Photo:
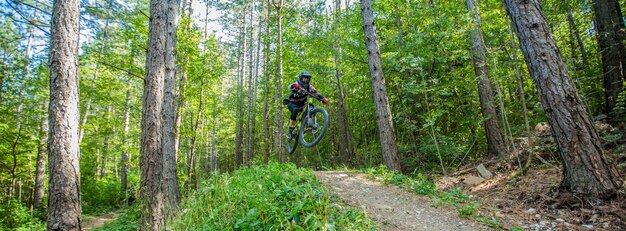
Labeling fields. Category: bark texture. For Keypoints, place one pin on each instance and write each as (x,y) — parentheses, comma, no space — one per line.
(40,169)
(64,170)
(585,168)
(610,29)
(383,111)
(152,158)
(171,190)
(495,143)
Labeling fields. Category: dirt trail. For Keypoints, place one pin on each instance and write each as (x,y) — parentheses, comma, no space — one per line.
(393,208)
(90,222)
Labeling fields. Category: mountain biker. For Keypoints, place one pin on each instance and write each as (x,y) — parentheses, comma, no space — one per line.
(297,98)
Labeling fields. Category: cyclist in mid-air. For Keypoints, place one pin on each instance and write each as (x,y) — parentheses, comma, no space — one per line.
(297,98)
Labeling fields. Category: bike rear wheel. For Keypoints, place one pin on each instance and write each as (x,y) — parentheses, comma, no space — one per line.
(314,127)
(292,143)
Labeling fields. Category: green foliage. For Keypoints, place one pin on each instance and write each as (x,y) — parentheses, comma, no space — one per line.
(15,216)
(276,196)
(100,196)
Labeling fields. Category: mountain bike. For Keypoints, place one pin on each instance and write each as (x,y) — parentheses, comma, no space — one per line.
(310,127)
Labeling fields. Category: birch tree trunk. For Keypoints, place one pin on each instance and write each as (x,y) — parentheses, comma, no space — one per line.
(585,168)
(495,143)
(610,29)
(63,146)
(383,111)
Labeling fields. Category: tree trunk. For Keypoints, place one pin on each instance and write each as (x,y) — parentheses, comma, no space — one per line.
(344,138)
(610,29)
(171,190)
(252,120)
(125,146)
(518,78)
(160,61)
(240,110)
(383,111)
(279,137)
(576,35)
(105,146)
(266,87)
(40,169)
(63,146)
(585,168)
(495,143)
(194,140)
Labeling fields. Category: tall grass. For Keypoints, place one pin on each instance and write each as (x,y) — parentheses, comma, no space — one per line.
(269,197)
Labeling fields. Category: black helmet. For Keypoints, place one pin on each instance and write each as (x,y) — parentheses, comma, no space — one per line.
(304,74)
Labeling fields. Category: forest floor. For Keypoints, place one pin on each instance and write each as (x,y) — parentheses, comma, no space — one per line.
(524,192)
(525,188)
(92,222)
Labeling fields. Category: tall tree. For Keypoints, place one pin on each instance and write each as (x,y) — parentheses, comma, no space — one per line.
(240,106)
(575,35)
(610,29)
(342,121)
(495,143)
(518,78)
(63,149)
(159,66)
(252,110)
(125,146)
(585,168)
(171,190)
(383,111)
(266,86)
(278,137)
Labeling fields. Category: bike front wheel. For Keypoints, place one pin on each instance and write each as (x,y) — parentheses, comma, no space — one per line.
(314,127)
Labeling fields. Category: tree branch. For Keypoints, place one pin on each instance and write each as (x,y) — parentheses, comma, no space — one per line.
(121,69)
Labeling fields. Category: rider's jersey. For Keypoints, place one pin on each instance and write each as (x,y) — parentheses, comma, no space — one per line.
(301,97)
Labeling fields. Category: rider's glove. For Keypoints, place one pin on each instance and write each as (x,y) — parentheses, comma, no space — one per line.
(296,86)
(325,101)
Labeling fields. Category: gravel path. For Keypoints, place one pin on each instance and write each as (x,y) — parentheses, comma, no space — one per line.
(393,208)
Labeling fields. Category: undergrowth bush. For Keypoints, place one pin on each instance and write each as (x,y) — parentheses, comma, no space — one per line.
(101,196)
(15,216)
(271,197)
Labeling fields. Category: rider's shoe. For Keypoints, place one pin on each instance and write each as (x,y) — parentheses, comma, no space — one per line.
(289,133)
